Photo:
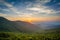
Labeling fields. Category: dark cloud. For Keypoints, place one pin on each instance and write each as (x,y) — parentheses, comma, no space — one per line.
(54,4)
(3,6)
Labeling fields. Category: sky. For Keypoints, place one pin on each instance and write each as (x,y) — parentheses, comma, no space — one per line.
(30,10)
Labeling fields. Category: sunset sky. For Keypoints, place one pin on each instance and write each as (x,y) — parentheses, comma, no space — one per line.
(30,10)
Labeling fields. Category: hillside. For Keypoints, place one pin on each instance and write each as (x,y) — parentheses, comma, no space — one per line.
(19,30)
(16,26)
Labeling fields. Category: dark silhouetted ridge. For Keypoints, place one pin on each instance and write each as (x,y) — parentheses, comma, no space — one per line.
(16,26)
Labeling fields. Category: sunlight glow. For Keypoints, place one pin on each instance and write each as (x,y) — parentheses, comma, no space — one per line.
(34,19)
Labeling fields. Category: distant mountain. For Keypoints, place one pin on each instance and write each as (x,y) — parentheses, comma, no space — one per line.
(21,26)
(16,26)
(48,24)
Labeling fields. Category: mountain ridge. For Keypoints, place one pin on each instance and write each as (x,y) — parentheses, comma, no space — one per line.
(18,26)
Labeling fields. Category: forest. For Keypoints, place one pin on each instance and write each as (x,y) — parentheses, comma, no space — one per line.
(29,36)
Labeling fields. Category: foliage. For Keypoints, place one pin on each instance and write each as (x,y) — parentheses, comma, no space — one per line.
(27,36)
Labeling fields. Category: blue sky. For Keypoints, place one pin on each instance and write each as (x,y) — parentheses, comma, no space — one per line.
(30,8)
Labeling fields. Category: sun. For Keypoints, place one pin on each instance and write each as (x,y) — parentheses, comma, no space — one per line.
(29,20)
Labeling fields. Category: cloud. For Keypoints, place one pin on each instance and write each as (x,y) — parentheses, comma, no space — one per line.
(43,1)
(11,10)
(11,7)
(35,11)
(3,14)
(31,9)
(59,3)
(41,9)
(46,0)
(1,0)
(7,10)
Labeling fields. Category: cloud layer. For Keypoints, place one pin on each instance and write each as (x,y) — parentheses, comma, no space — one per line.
(29,8)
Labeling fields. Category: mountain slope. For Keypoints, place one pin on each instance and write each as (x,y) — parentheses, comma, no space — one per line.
(6,25)
(16,26)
